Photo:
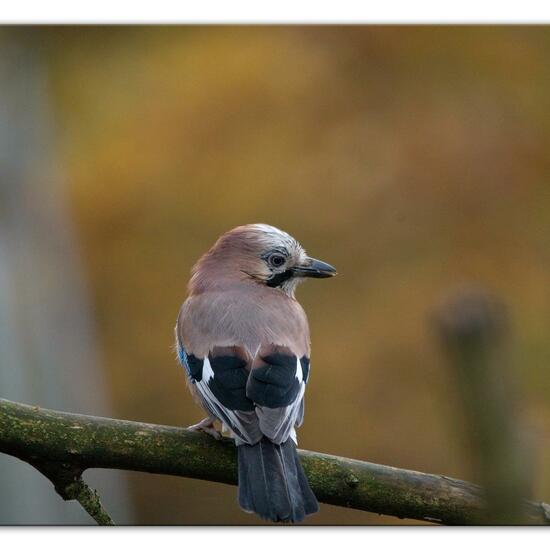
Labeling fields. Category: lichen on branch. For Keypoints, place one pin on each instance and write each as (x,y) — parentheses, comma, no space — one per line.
(78,442)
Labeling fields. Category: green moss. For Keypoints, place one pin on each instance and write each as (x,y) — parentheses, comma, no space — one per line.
(63,445)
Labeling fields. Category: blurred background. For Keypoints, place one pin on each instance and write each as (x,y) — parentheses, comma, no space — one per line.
(411,158)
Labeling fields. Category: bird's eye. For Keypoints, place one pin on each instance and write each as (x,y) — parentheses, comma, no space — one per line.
(276,260)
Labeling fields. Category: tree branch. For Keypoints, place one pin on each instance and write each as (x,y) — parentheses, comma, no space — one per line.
(68,483)
(41,436)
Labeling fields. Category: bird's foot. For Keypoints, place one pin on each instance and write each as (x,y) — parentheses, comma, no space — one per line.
(207,426)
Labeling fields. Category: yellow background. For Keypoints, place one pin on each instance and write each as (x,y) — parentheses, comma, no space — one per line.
(411,158)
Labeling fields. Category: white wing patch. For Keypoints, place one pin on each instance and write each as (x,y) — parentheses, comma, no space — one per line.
(299,372)
(207,372)
(242,424)
(278,424)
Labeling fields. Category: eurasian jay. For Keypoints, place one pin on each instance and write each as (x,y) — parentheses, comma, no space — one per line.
(243,340)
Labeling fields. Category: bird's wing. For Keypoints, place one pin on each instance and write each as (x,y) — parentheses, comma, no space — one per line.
(220,383)
(252,396)
(276,385)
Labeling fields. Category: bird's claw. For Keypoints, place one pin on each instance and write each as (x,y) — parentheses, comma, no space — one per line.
(206,426)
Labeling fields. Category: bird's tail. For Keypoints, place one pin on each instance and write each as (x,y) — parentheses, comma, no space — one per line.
(272,482)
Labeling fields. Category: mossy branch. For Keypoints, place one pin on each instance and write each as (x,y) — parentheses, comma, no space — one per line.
(73,443)
(69,485)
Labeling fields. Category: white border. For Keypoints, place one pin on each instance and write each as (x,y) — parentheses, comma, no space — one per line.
(280,11)
(275,538)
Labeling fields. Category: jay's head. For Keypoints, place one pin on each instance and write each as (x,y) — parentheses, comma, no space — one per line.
(260,254)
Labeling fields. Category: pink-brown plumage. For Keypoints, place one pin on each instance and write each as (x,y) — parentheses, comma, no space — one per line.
(228,301)
(247,314)
(244,341)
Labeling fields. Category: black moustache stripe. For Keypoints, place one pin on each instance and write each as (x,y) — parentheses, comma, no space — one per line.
(279,278)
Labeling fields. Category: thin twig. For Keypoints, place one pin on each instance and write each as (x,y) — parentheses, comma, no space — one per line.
(68,483)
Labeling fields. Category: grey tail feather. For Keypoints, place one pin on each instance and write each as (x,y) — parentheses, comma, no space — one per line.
(272,482)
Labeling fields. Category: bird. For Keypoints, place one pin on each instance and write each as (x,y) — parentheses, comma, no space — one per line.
(243,340)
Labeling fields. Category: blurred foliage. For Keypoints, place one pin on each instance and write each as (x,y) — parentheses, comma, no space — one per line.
(412,158)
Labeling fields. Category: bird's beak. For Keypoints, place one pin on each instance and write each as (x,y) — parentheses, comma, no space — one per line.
(314,268)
